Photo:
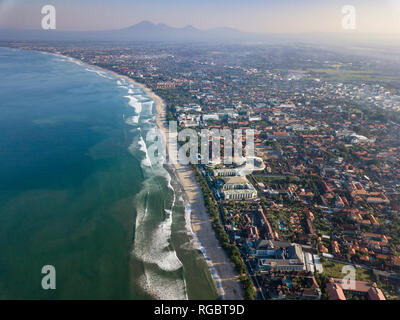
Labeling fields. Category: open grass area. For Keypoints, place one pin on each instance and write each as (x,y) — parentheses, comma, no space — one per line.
(334,270)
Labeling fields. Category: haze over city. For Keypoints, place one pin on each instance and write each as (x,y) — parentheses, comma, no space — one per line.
(262,16)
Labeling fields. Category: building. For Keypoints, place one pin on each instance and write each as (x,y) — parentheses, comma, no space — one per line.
(238,182)
(336,289)
(225,172)
(278,256)
(240,194)
(207,117)
(238,188)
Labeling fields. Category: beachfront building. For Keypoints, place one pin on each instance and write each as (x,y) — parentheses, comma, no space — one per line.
(240,194)
(278,256)
(238,188)
(225,172)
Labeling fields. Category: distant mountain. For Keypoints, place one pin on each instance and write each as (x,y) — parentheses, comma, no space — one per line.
(143,31)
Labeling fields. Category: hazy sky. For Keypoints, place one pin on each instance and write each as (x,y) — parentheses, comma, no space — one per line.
(282,16)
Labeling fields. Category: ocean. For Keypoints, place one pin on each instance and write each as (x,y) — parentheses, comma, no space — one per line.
(79,192)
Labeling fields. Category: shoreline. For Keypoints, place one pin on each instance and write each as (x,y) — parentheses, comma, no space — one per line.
(222,270)
(225,278)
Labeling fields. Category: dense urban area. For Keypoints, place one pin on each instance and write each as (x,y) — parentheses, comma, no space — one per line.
(325,195)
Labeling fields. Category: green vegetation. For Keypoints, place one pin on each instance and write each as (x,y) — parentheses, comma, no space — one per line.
(171,110)
(334,270)
(393,228)
(322,225)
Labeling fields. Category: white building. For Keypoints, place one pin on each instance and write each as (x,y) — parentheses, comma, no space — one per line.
(238,188)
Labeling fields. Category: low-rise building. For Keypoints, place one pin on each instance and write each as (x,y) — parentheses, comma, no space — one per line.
(337,288)
(278,256)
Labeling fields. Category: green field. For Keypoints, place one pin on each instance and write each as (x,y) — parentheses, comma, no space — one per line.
(334,270)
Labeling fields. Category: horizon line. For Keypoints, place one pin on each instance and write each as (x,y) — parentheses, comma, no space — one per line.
(345,33)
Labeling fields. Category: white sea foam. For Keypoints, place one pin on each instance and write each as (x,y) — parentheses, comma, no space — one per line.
(99,73)
(148,106)
(146,161)
(62,58)
(165,258)
(155,250)
(135,88)
(134,103)
(133,120)
(122,83)
(65,58)
(76,61)
(163,288)
(141,210)
(169,179)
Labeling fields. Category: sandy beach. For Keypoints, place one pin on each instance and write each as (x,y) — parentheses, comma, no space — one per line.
(200,221)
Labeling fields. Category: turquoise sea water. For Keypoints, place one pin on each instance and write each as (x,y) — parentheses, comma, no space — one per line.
(78,192)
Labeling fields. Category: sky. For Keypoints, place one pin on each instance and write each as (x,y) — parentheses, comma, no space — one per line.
(263,16)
